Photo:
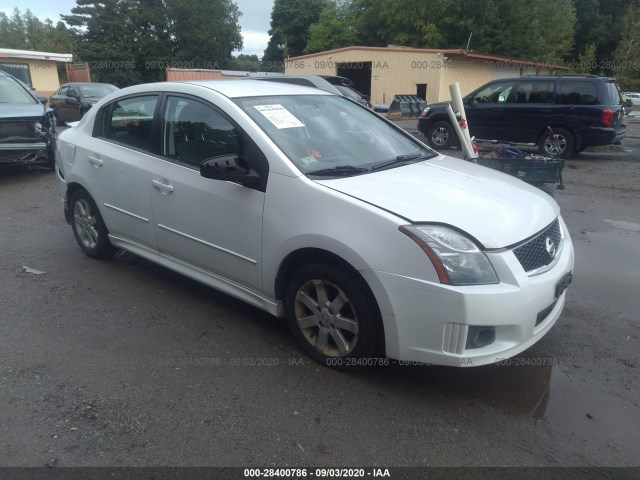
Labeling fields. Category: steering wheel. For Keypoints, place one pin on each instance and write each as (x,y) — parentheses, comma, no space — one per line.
(484,99)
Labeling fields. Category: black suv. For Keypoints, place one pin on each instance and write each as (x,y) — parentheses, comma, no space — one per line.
(582,111)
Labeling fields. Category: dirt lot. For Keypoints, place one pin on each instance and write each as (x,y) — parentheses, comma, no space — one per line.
(111,363)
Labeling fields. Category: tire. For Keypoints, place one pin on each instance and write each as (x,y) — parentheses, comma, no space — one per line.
(561,145)
(332,316)
(88,226)
(441,135)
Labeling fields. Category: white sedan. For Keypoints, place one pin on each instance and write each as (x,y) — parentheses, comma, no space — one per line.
(311,207)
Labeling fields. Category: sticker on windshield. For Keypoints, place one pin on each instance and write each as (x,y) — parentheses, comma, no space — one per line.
(309,160)
(279,116)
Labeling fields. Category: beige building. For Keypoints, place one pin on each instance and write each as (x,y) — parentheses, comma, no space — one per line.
(382,72)
(38,69)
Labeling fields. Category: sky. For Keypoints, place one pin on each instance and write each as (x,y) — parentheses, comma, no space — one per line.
(255,19)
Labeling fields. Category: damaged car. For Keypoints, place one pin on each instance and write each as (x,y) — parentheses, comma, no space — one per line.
(27,127)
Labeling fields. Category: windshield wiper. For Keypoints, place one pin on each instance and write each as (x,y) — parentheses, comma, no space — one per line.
(401,159)
(339,171)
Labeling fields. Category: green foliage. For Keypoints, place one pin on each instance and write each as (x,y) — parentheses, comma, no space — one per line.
(133,41)
(27,32)
(290,22)
(246,63)
(204,33)
(331,31)
(627,56)
(540,30)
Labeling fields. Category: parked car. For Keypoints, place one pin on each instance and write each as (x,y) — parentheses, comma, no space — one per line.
(634,98)
(345,87)
(338,85)
(307,206)
(73,100)
(27,127)
(583,111)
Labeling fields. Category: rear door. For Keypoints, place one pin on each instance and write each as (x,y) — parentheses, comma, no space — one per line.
(530,110)
(118,165)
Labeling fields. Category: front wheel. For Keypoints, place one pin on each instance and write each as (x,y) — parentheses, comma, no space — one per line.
(559,144)
(441,135)
(88,227)
(332,315)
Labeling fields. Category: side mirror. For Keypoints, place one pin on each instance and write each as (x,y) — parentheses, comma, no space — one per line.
(42,99)
(230,168)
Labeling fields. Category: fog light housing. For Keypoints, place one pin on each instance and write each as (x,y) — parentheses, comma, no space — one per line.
(478,337)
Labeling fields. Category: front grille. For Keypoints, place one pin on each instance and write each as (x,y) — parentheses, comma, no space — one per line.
(9,130)
(541,250)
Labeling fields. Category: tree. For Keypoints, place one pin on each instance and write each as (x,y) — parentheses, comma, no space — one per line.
(290,22)
(599,23)
(627,57)
(246,63)
(331,31)
(106,39)
(204,33)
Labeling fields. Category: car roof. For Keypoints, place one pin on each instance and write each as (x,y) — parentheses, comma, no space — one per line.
(314,81)
(577,77)
(254,88)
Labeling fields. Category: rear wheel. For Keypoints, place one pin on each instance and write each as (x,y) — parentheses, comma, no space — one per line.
(441,135)
(88,226)
(332,315)
(561,144)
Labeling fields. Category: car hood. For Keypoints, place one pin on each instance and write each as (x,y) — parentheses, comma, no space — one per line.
(21,111)
(496,209)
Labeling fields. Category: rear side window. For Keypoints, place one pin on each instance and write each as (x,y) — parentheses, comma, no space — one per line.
(535,92)
(575,92)
(129,121)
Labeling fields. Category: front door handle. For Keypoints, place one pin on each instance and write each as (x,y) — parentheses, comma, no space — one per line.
(96,161)
(163,187)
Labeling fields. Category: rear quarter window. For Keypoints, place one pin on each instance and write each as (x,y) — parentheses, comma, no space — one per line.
(575,92)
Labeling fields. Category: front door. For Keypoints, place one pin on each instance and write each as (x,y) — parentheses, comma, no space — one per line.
(212,224)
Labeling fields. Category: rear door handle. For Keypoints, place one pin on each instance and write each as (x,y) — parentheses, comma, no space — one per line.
(163,187)
(96,161)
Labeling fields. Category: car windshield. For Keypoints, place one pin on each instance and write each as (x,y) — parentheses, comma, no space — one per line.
(12,92)
(327,132)
(96,90)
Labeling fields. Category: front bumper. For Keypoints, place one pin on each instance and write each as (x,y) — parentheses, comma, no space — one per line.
(24,152)
(429,322)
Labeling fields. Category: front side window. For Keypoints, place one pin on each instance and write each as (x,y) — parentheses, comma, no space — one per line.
(494,93)
(193,132)
(129,121)
(319,132)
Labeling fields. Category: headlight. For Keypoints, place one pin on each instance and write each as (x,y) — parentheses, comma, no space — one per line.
(457,260)
(424,112)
